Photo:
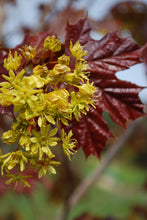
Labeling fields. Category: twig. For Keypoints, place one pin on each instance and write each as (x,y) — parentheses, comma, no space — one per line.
(97,173)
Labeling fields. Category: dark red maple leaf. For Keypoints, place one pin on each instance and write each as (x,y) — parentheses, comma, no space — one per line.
(119,98)
(91,131)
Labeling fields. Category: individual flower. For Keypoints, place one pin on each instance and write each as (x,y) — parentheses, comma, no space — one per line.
(10,136)
(64,60)
(77,50)
(68,143)
(28,52)
(12,62)
(57,100)
(40,70)
(13,159)
(52,43)
(48,166)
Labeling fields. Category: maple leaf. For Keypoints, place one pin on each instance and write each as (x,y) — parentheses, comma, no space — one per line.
(91,132)
(119,98)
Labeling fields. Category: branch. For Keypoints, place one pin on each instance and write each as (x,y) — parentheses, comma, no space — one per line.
(97,173)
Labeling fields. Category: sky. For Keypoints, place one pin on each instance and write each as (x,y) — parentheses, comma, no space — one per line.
(27,14)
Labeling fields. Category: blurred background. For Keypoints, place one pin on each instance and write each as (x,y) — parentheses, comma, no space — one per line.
(121,193)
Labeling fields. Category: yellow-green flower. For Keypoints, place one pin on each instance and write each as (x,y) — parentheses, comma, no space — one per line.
(28,52)
(65,60)
(87,90)
(43,100)
(52,43)
(12,63)
(58,101)
(13,159)
(10,136)
(69,143)
(77,50)
(48,167)
(40,70)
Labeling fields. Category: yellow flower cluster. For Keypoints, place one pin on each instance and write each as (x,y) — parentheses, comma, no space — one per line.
(42,101)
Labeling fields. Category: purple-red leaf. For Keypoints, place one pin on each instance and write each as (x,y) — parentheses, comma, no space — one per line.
(106,56)
(91,132)
(119,98)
